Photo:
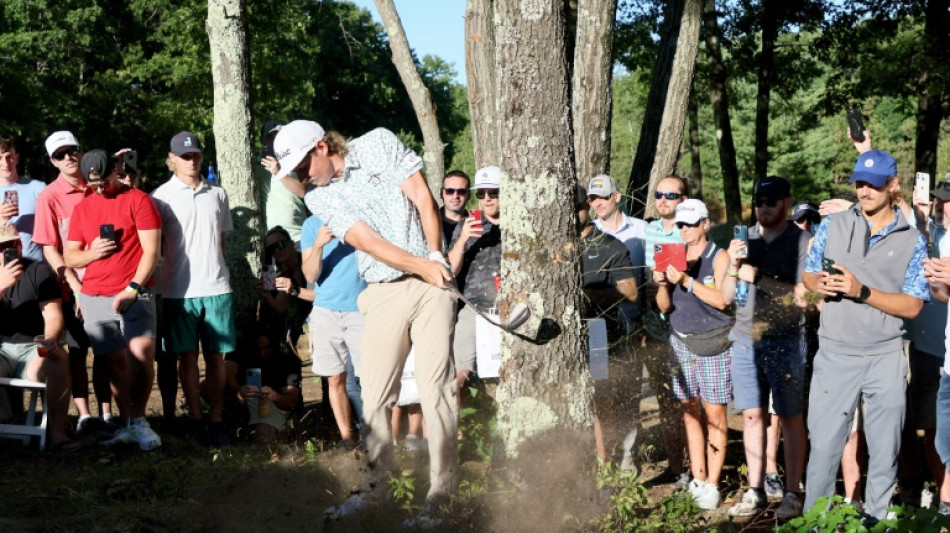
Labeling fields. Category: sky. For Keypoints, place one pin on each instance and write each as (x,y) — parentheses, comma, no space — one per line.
(433,27)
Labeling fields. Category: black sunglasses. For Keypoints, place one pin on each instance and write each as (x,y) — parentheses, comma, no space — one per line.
(480,194)
(450,191)
(681,225)
(282,244)
(767,202)
(668,195)
(71,152)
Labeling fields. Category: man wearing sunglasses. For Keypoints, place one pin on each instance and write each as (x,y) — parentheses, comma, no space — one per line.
(770,360)
(196,285)
(371,193)
(114,234)
(455,193)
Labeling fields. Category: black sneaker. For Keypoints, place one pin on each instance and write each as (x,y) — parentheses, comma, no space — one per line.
(193,430)
(218,435)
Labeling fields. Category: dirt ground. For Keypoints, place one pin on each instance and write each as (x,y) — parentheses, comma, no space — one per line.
(306,482)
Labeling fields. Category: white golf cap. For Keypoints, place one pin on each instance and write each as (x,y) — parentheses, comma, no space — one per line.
(488,178)
(59,139)
(293,141)
(691,211)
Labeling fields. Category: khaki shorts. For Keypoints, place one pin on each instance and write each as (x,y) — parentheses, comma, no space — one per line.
(335,336)
(463,347)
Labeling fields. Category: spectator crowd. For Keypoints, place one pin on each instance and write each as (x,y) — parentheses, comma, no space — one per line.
(819,323)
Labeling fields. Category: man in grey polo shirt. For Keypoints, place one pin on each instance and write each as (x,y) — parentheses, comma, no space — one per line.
(876,280)
(372,195)
(195,281)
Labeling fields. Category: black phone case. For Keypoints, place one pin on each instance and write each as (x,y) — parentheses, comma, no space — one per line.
(856,124)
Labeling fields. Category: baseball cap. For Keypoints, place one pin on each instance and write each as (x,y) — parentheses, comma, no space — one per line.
(874,167)
(601,185)
(488,178)
(293,142)
(691,211)
(773,187)
(185,142)
(8,232)
(806,209)
(96,161)
(942,191)
(58,140)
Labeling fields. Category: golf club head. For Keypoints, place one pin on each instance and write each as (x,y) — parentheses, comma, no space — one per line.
(519,314)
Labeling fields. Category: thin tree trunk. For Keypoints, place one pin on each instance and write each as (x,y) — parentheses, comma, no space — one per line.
(591,95)
(766,75)
(643,160)
(929,102)
(434,155)
(662,132)
(545,393)
(719,98)
(232,121)
(696,164)
(677,98)
(481,75)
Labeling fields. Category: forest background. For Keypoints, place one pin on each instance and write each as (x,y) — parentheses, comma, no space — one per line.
(135,73)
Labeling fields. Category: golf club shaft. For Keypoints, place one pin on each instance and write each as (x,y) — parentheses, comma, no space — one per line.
(481,313)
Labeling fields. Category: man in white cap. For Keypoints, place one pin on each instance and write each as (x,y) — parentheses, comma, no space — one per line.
(475,256)
(196,288)
(372,195)
(54,210)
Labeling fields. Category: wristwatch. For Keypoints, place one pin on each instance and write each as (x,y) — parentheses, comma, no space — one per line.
(294,290)
(134,287)
(864,294)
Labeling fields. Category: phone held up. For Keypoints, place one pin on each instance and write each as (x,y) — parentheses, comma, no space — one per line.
(856,124)
(10,255)
(668,254)
(828,265)
(921,188)
(742,233)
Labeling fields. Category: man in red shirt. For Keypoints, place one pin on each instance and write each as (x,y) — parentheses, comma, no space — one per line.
(114,234)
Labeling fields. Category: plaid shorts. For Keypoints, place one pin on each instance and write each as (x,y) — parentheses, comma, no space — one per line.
(708,377)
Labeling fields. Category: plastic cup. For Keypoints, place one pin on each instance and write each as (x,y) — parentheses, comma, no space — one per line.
(43,345)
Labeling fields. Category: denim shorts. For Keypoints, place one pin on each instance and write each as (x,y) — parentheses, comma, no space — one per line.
(775,366)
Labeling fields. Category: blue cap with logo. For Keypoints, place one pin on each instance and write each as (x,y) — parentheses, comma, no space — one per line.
(874,167)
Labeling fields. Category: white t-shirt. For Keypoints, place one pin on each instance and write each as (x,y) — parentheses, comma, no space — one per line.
(193,221)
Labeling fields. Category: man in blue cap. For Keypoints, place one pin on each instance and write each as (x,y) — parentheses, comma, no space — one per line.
(867,263)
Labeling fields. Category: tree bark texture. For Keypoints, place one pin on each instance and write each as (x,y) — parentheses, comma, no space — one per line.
(546,391)
(719,98)
(434,156)
(677,99)
(591,95)
(696,163)
(232,121)
(766,75)
(665,115)
(482,79)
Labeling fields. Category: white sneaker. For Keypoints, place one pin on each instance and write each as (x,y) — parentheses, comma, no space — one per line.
(750,504)
(415,444)
(926,497)
(142,433)
(354,504)
(705,494)
(790,507)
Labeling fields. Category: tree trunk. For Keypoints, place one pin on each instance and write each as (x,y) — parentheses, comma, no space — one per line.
(419,94)
(665,115)
(482,80)
(766,75)
(720,104)
(545,393)
(677,98)
(232,121)
(696,164)
(929,103)
(590,96)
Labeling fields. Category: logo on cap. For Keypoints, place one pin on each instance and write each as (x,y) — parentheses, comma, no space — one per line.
(187,141)
(869,163)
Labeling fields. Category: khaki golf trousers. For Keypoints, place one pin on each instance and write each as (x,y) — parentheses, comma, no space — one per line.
(399,315)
